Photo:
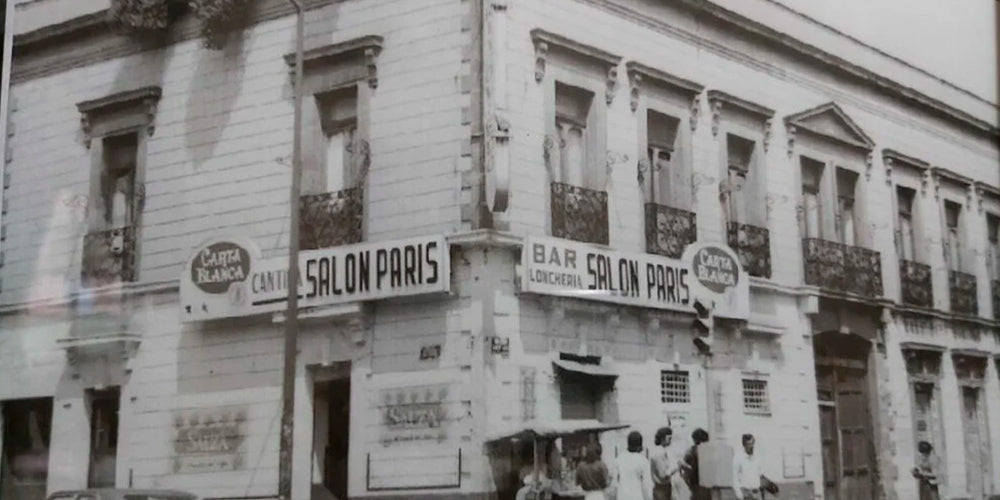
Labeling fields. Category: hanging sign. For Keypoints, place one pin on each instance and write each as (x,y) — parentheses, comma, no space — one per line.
(553,266)
(227,277)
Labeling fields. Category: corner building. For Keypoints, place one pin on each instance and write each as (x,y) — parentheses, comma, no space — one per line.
(145,175)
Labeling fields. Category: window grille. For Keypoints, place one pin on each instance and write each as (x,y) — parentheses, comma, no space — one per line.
(675,387)
(755,397)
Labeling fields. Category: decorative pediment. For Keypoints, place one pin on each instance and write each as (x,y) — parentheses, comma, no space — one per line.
(719,101)
(641,76)
(358,52)
(831,123)
(546,42)
(984,191)
(140,103)
(123,344)
(893,159)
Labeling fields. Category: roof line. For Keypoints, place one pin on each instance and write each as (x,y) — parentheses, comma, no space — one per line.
(904,62)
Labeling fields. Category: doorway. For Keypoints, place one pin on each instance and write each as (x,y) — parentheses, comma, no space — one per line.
(977,451)
(331,433)
(843,390)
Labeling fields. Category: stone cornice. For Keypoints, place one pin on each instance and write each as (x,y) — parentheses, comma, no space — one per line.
(128,97)
(757,110)
(985,190)
(969,353)
(663,79)
(921,346)
(798,121)
(827,59)
(540,36)
(93,21)
(545,41)
(348,48)
(362,50)
(902,160)
(942,173)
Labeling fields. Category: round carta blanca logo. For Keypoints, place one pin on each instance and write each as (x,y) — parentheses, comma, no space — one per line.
(716,269)
(216,267)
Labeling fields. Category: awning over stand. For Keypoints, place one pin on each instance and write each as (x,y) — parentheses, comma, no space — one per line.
(585,369)
(551,429)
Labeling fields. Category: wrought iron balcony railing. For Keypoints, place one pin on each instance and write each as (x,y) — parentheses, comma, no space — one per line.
(579,214)
(753,245)
(915,283)
(842,268)
(962,287)
(669,230)
(331,219)
(995,295)
(108,257)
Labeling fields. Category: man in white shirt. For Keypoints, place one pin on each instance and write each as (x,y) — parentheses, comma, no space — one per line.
(748,481)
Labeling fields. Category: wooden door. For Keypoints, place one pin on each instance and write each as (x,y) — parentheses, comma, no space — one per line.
(977,463)
(845,431)
(857,460)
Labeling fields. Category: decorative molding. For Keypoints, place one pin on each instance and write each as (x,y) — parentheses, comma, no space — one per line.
(635,81)
(545,41)
(695,110)
(716,107)
(145,98)
(611,81)
(642,76)
(642,166)
(363,50)
(869,162)
(984,191)
(893,159)
(716,98)
(768,125)
(801,122)
(925,181)
(946,175)
(790,131)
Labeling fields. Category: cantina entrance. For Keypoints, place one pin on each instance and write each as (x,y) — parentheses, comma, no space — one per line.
(844,393)
(331,431)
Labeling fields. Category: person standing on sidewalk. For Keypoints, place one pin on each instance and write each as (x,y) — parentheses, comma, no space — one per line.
(689,467)
(749,482)
(926,472)
(660,465)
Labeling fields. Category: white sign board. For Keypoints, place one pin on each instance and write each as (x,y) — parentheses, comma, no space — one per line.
(553,266)
(226,277)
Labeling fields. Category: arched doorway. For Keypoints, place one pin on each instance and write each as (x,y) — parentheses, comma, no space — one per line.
(843,390)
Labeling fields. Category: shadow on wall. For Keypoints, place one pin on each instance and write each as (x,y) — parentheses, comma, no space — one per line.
(215,85)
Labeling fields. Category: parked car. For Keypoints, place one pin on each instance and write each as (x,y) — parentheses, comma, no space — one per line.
(122,494)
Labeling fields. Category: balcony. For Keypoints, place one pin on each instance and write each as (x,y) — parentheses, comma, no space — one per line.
(995,295)
(962,287)
(842,268)
(579,214)
(753,245)
(331,219)
(108,257)
(915,283)
(669,230)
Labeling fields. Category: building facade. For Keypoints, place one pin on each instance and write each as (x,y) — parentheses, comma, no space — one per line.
(481,174)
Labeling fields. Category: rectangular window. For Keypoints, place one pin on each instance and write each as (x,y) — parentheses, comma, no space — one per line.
(118,180)
(661,143)
(103,437)
(904,198)
(675,387)
(338,121)
(847,215)
(572,117)
(755,397)
(27,427)
(952,216)
(812,203)
(993,248)
(739,156)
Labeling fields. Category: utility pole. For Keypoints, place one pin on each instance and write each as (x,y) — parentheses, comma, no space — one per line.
(292,314)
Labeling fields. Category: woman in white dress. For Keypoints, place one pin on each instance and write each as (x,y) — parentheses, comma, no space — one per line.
(633,474)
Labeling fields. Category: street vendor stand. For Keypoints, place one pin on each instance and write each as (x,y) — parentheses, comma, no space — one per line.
(539,432)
